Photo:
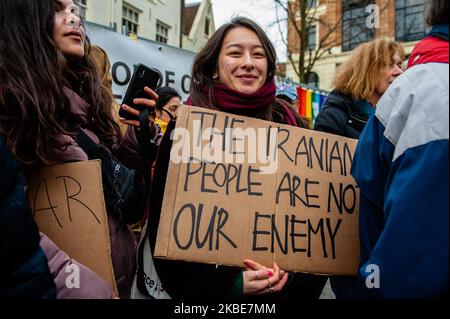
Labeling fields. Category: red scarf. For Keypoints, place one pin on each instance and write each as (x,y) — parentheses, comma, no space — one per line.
(231,101)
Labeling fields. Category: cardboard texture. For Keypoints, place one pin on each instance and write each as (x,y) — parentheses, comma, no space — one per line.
(301,211)
(68,206)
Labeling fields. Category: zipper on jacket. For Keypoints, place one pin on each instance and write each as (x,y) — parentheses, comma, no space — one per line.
(357,119)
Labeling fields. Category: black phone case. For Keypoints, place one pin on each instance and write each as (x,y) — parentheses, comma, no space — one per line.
(142,76)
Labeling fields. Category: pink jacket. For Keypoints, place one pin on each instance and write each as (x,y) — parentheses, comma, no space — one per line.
(123,241)
(91,285)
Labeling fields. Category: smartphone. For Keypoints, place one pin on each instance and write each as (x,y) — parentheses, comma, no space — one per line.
(143,76)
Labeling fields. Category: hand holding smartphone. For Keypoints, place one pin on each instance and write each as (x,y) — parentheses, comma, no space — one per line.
(143,76)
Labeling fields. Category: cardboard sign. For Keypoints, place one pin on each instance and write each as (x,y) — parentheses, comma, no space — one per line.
(68,206)
(242,188)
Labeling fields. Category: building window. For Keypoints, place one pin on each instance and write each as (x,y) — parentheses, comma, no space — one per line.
(130,19)
(207,23)
(162,32)
(311,3)
(312,42)
(82,4)
(409,21)
(354,30)
(312,79)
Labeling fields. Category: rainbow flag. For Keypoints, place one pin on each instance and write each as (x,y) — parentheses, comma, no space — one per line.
(309,99)
(310,103)
(302,93)
(322,100)
(316,105)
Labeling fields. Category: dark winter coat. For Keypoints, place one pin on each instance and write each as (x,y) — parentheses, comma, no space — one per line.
(24,269)
(341,115)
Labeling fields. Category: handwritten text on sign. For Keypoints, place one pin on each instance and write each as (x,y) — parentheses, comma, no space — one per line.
(244,188)
(68,206)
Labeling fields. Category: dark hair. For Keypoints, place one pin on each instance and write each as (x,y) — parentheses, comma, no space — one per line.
(34,111)
(205,63)
(285,98)
(165,95)
(437,12)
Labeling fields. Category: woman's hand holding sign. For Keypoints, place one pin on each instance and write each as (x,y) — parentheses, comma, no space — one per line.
(262,280)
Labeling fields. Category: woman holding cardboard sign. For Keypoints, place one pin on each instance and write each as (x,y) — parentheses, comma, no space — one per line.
(233,73)
(50,93)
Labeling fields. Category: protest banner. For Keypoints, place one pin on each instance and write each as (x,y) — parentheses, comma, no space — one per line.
(68,205)
(173,64)
(242,188)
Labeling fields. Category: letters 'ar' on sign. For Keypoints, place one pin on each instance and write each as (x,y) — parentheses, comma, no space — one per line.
(68,206)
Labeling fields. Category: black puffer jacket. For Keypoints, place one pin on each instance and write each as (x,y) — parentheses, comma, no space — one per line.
(23,265)
(340,115)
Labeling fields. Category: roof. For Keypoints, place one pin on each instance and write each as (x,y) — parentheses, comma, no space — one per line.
(189,13)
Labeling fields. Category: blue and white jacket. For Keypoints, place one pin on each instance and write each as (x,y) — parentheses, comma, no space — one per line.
(401,166)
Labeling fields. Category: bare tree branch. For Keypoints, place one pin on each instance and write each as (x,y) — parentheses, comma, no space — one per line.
(301,17)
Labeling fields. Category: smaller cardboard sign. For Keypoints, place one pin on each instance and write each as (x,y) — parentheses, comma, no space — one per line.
(68,205)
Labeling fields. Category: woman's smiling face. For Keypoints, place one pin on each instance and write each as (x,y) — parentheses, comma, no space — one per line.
(242,63)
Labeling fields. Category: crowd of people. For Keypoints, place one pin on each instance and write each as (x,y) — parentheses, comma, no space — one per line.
(55,86)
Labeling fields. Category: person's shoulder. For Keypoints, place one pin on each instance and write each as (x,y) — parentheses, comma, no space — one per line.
(334,109)
(419,79)
(423,88)
(422,74)
(338,102)
(414,110)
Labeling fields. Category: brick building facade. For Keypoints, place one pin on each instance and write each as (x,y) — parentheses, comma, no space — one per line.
(398,19)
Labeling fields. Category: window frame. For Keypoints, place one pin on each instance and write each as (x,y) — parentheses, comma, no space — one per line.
(414,10)
(127,21)
(312,35)
(207,26)
(160,37)
(357,15)
(313,79)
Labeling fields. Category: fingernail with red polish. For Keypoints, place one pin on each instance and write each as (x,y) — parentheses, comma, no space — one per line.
(270,274)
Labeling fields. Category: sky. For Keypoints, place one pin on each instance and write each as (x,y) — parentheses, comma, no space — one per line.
(261,11)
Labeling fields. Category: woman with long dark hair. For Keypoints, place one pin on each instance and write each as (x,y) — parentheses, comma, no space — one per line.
(233,73)
(212,87)
(49,90)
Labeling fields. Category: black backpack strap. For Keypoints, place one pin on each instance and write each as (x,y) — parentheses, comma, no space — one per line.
(84,141)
